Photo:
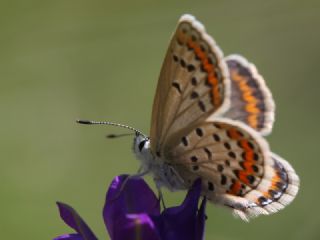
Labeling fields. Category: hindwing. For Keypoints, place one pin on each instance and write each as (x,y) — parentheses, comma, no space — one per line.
(236,167)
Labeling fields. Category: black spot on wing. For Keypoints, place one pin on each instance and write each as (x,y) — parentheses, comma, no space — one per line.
(177,86)
(220,167)
(195,168)
(232,155)
(183,63)
(223,180)
(208,153)
(263,201)
(255,168)
(210,186)
(175,58)
(194,159)
(194,95)
(199,132)
(227,145)
(216,137)
(191,68)
(202,106)
(251,179)
(184,141)
(194,81)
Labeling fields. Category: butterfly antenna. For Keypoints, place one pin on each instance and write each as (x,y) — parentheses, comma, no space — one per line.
(88,122)
(118,135)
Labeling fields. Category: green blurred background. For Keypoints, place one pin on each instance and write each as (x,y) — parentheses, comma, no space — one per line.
(100,60)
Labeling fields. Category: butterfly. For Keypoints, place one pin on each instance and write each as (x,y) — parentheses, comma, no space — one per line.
(210,115)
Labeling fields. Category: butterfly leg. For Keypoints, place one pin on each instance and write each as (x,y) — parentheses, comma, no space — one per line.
(160,194)
(161,199)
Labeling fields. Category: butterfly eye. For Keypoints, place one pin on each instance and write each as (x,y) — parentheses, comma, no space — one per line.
(141,145)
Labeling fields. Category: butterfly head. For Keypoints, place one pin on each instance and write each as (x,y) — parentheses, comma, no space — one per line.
(141,142)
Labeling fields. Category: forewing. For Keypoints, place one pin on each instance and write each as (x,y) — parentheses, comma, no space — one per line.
(251,100)
(193,83)
(236,167)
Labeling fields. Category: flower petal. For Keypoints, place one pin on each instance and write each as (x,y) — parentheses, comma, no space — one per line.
(181,222)
(72,236)
(127,196)
(136,227)
(201,219)
(73,220)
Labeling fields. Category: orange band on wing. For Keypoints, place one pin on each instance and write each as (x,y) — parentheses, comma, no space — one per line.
(234,134)
(235,188)
(243,176)
(210,70)
(248,97)
(275,179)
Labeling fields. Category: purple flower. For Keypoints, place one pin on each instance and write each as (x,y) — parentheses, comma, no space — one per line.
(132,211)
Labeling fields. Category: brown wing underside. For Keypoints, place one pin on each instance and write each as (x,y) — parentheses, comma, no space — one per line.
(193,83)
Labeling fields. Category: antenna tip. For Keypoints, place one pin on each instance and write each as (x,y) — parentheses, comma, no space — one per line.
(111,136)
(83,121)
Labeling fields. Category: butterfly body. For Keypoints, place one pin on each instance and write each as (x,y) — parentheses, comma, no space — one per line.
(163,173)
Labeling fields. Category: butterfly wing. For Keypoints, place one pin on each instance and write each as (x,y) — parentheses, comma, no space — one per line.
(193,83)
(251,100)
(236,167)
